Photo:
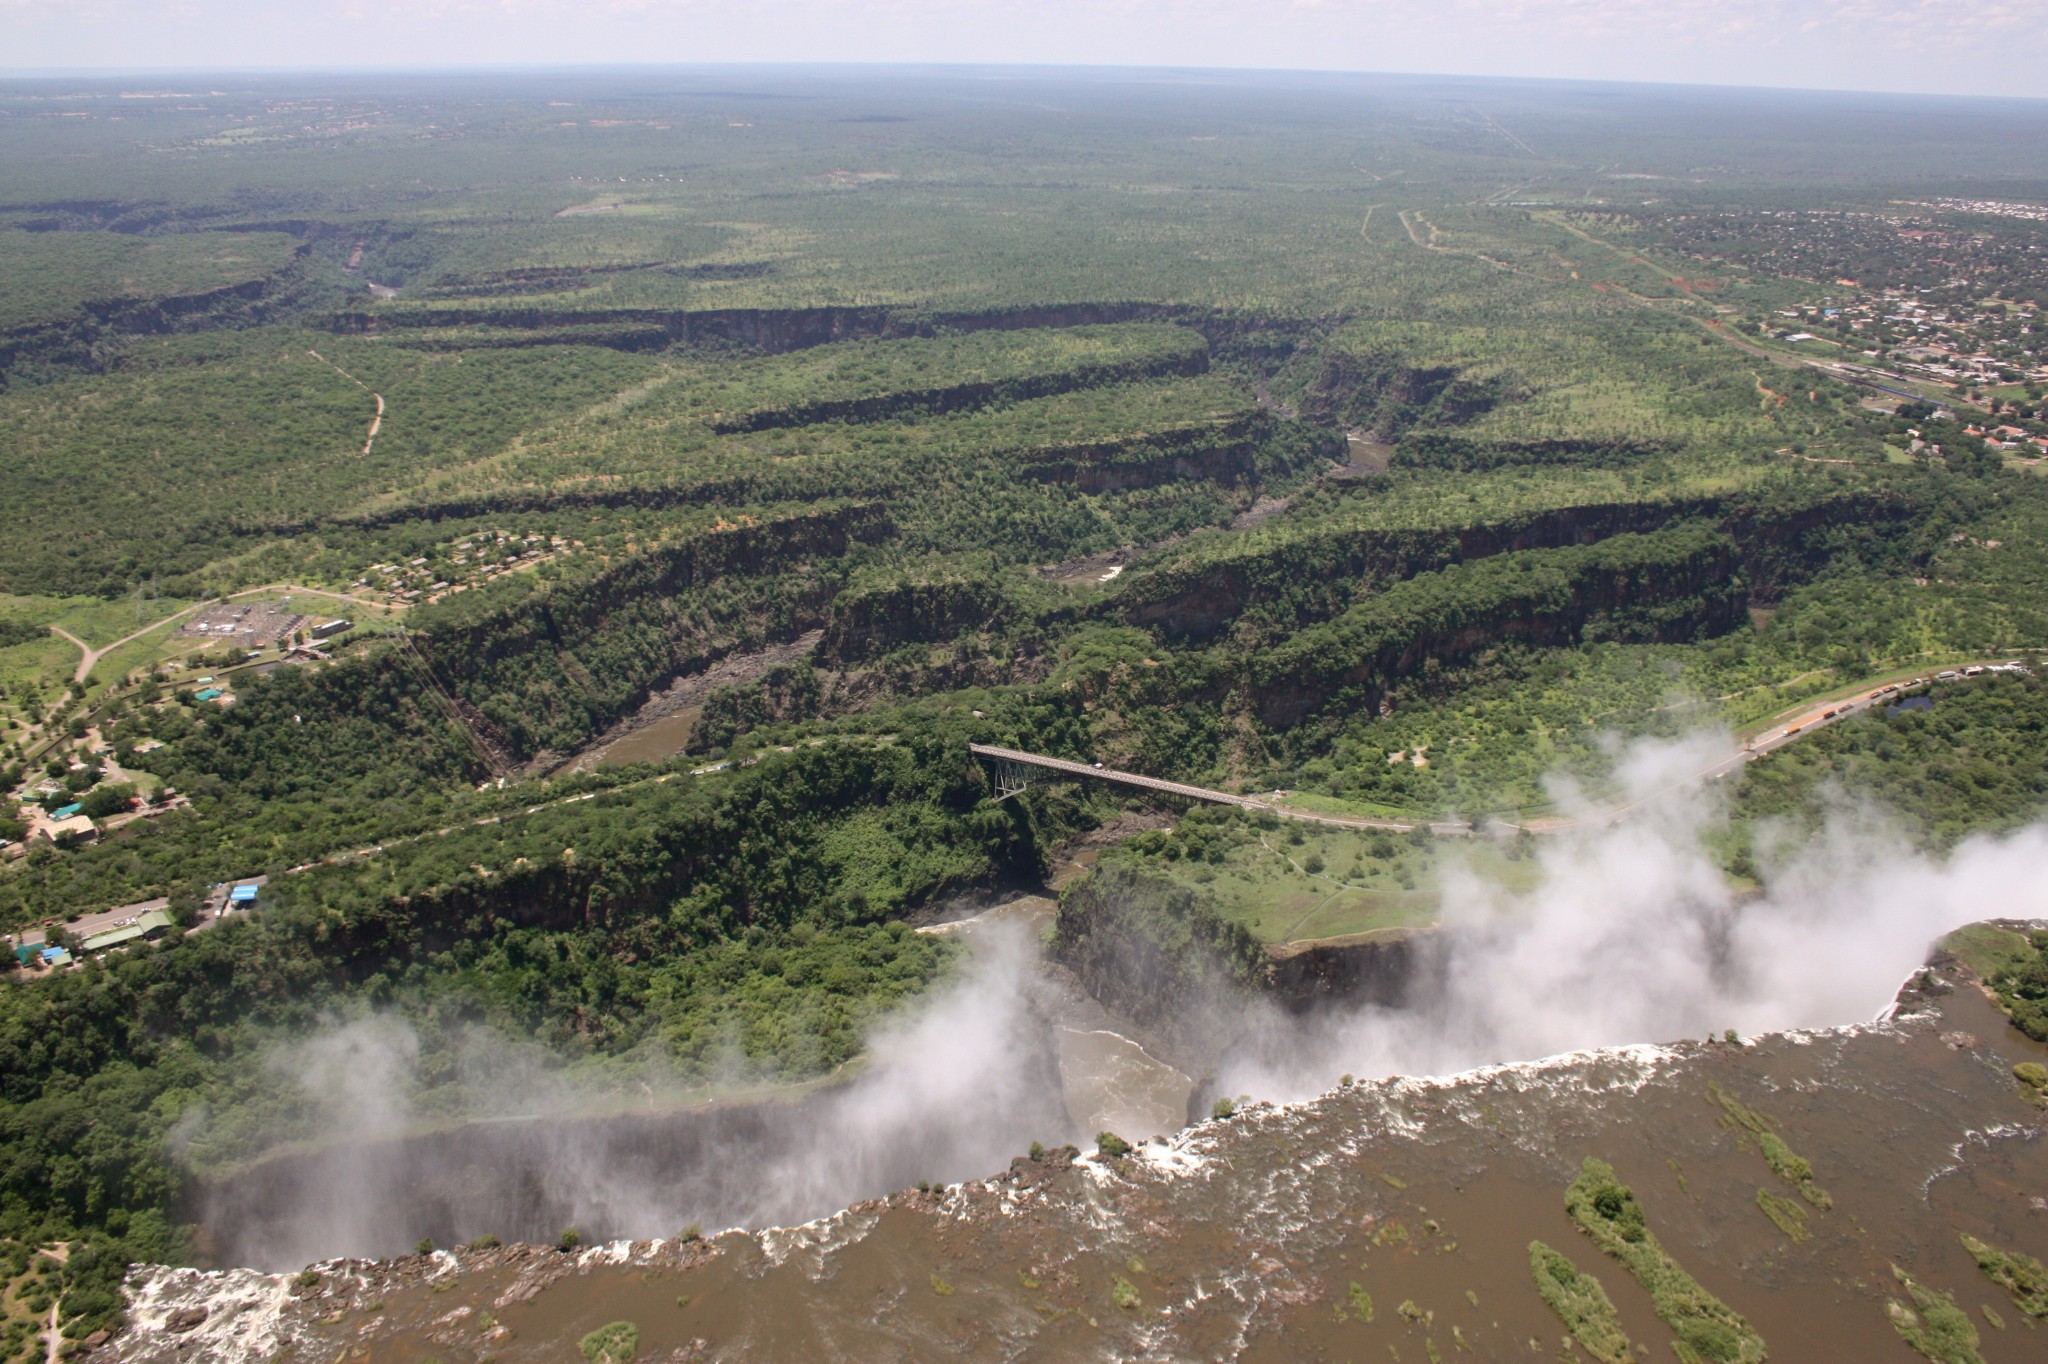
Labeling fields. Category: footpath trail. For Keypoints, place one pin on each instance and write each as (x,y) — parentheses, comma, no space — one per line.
(377,421)
(297,588)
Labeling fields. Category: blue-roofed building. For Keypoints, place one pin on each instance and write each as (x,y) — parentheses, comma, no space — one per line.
(67,812)
(55,956)
(242,895)
(207,695)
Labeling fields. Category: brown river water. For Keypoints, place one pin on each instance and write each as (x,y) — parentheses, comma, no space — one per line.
(1243,1238)
(657,741)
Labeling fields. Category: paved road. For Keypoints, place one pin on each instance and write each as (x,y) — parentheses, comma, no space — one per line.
(1803,724)
(89,925)
(91,656)
(1097,772)
(1809,721)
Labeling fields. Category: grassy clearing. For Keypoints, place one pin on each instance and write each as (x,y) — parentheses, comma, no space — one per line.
(1988,949)
(1294,883)
(1582,1304)
(1606,1210)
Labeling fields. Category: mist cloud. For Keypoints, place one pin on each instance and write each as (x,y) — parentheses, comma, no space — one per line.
(1631,934)
(1634,935)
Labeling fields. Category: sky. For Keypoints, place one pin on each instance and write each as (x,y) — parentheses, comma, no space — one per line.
(1962,47)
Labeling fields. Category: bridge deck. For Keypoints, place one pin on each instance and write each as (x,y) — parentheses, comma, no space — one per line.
(1203,793)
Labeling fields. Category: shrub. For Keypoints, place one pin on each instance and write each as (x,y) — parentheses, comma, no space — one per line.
(1581,1303)
(1938,1329)
(2020,1275)
(1786,1215)
(1606,1210)
(1112,1145)
(617,1343)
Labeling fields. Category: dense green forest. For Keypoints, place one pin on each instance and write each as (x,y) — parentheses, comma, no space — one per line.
(1943,761)
(1310,435)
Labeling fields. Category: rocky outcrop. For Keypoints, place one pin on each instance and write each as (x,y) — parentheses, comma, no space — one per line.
(1387,968)
(1388,393)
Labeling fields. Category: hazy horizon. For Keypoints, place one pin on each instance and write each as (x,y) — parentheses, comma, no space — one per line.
(1861,46)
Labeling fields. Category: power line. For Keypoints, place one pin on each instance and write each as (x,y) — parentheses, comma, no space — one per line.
(420,666)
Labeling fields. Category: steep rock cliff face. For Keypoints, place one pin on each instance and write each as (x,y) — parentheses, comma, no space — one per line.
(1203,598)
(1156,954)
(622,336)
(1666,587)
(1781,541)
(773,330)
(1236,450)
(1185,361)
(75,341)
(1467,454)
(558,666)
(1213,452)
(865,625)
(1390,969)
(769,329)
(1387,393)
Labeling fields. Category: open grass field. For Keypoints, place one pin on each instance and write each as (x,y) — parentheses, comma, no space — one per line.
(1299,883)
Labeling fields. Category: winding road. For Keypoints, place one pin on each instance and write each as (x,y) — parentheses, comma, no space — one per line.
(1808,720)
(89,657)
